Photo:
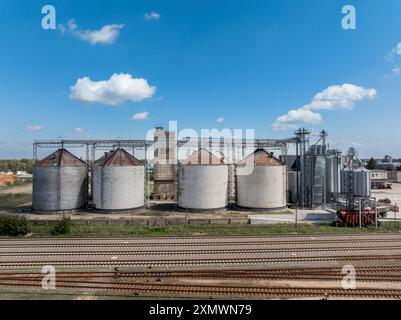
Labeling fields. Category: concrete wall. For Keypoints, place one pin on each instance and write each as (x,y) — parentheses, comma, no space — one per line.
(378,175)
(118,188)
(163,190)
(264,188)
(164,147)
(165,172)
(394,176)
(164,177)
(59,188)
(202,186)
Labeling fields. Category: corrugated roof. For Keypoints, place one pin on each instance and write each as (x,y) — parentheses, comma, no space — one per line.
(261,158)
(202,156)
(118,158)
(61,158)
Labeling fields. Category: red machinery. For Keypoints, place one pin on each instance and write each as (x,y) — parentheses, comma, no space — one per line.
(351,217)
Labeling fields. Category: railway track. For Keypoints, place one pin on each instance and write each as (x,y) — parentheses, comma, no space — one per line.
(183,261)
(195,262)
(384,273)
(198,244)
(215,291)
(205,238)
(198,252)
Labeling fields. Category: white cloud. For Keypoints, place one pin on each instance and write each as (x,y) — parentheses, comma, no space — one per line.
(340,96)
(34,128)
(105,35)
(220,119)
(331,98)
(396,71)
(396,51)
(398,48)
(114,91)
(152,15)
(294,117)
(141,116)
(79,130)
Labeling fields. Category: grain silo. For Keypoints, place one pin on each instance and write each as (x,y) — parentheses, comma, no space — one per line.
(202,182)
(118,182)
(261,182)
(59,182)
(356,182)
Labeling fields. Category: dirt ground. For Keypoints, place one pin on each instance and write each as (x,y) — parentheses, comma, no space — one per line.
(393,194)
(27,188)
(7,179)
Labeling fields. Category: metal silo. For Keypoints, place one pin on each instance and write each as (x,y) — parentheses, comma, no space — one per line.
(59,182)
(202,182)
(261,182)
(333,173)
(118,182)
(356,182)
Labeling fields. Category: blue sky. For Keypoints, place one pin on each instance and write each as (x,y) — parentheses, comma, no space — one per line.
(248,62)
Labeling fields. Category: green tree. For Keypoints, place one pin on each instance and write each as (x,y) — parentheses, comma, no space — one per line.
(371,164)
(13,166)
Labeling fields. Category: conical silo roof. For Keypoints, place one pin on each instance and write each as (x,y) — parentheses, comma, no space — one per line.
(118,158)
(202,156)
(261,157)
(60,158)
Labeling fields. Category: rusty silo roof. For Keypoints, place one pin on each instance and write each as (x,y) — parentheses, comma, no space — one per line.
(202,156)
(261,158)
(118,158)
(61,158)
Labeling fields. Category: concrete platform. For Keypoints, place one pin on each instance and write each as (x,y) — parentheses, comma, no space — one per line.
(303,216)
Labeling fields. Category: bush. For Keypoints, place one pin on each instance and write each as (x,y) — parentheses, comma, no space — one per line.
(62,227)
(13,226)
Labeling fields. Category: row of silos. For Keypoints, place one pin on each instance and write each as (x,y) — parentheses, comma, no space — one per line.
(203,182)
(60,182)
(117,182)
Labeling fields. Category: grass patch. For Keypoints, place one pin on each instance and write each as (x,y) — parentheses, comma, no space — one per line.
(13,200)
(126,230)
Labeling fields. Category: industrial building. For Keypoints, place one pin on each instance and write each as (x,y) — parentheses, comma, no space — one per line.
(394,176)
(219,174)
(379,179)
(164,160)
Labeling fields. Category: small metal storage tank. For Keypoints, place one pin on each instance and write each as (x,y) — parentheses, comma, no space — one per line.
(202,182)
(261,182)
(357,182)
(118,182)
(59,182)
